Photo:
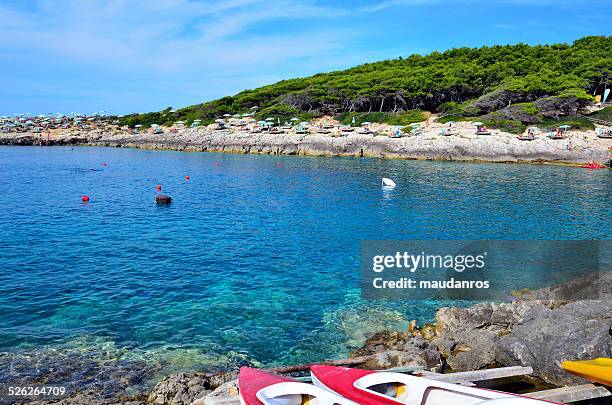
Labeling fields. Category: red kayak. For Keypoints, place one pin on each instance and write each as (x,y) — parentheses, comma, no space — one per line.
(262,388)
(593,166)
(368,387)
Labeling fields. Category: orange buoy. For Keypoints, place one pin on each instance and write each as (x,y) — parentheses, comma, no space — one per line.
(85,198)
(158,187)
(186,177)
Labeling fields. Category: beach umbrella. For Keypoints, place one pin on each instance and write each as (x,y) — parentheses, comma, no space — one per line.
(138,126)
(220,121)
(227,115)
(269,119)
(565,126)
(478,123)
(366,123)
(254,107)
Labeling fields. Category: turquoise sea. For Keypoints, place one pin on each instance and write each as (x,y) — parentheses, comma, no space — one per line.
(255,261)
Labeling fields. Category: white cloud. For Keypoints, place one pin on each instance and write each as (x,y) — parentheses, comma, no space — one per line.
(180,46)
(385,4)
(162,35)
(394,3)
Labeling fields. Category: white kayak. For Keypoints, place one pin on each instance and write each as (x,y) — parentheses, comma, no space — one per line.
(367,387)
(261,388)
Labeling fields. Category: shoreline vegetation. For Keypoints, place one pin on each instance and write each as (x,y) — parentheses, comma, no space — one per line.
(510,103)
(507,87)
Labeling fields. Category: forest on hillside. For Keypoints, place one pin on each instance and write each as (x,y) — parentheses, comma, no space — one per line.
(506,84)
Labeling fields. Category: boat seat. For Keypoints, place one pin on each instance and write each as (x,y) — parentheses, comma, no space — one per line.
(297,393)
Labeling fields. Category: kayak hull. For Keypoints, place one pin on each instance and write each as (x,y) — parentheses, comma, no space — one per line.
(597,370)
(368,387)
(258,387)
(251,381)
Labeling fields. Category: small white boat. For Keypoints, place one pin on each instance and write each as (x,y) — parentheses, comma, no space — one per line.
(261,388)
(387,182)
(368,387)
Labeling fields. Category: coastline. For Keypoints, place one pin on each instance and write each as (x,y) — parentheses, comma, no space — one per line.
(499,147)
(574,318)
(478,326)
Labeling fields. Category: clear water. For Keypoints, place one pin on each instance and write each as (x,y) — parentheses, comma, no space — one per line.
(257,258)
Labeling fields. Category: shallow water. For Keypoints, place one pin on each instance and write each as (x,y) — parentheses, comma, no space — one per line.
(257,258)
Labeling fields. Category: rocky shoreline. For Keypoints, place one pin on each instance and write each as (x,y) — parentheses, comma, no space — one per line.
(539,329)
(464,145)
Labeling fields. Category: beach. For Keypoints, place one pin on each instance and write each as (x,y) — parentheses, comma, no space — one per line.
(578,148)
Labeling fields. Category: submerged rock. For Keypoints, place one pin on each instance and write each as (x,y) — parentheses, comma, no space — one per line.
(95,375)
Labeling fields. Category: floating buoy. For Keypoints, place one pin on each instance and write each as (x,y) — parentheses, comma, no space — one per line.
(186,177)
(218,164)
(388,182)
(85,198)
(279,165)
(163,199)
(104,164)
(158,187)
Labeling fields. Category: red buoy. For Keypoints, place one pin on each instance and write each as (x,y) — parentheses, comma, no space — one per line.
(158,187)
(85,198)
(186,177)
(104,164)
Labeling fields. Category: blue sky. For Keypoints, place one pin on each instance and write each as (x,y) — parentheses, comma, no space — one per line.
(126,56)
